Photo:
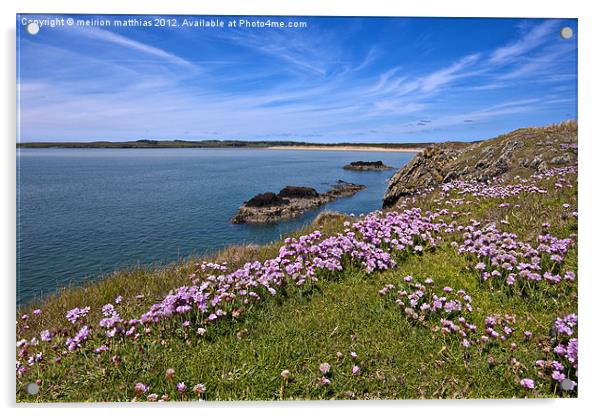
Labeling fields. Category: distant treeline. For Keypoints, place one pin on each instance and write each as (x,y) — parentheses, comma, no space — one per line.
(150,144)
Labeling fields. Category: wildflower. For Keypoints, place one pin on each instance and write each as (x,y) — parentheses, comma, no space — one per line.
(181,387)
(108,310)
(325,381)
(527,383)
(169,373)
(101,349)
(77,313)
(152,397)
(45,335)
(140,389)
(199,389)
(285,374)
(480,266)
(569,275)
(353,355)
(79,338)
(118,299)
(528,334)
(355,369)
(325,368)
(37,311)
(201,331)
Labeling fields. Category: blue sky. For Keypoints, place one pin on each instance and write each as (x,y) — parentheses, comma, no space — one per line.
(338,80)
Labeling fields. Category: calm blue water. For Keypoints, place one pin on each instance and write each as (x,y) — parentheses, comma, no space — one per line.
(85,212)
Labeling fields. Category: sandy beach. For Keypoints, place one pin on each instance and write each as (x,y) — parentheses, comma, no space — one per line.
(350,148)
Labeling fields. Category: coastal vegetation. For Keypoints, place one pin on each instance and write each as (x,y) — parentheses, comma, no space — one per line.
(464,286)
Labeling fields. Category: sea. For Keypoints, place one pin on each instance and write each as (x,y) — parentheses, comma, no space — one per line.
(84,213)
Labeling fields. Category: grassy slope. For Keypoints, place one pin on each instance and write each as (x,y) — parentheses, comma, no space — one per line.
(242,359)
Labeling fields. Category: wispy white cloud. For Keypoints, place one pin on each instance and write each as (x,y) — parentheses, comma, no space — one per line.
(540,63)
(535,37)
(444,76)
(129,43)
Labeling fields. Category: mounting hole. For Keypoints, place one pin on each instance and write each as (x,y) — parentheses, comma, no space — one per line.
(32,388)
(566,32)
(567,385)
(32,28)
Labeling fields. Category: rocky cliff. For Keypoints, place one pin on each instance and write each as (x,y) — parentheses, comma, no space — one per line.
(521,152)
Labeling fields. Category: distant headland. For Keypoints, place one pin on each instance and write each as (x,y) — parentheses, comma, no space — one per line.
(269,145)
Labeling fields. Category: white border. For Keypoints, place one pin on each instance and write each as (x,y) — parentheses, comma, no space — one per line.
(589,177)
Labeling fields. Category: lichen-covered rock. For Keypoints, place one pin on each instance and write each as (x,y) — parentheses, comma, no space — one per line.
(564,159)
(425,170)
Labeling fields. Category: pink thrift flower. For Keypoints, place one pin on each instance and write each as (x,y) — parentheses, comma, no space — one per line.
(199,389)
(527,383)
(140,388)
(325,368)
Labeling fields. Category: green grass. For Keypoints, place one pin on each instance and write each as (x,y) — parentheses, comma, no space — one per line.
(241,359)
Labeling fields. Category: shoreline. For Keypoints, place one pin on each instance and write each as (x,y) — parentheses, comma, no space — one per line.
(349,148)
(342,148)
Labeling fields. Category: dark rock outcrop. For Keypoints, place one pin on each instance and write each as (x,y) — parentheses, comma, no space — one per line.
(268,199)
(361,165)
(298,192)
(521,152)
(290,202)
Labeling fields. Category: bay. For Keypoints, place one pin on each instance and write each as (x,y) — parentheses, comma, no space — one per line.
(82,213)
